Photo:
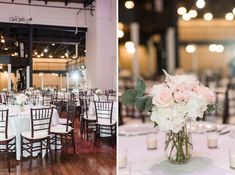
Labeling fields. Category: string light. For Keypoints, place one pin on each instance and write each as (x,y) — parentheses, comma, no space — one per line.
(190,48)
(181,10)
(200,4)
(186,17)
(208,16)
(229,16)
(192,13)
(129,4)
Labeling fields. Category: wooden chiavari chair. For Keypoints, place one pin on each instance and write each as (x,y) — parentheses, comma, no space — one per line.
(64,134)
(105,126)
(6,138)
(88,122)
(39,133)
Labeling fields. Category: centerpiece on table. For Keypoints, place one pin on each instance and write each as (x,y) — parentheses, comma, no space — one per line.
(98,91)
(173,103)
(21,99)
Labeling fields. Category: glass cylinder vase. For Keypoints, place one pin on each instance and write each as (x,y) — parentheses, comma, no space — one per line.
(178,146)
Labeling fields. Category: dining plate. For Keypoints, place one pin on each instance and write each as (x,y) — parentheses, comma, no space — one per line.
(201,127)
(137,129)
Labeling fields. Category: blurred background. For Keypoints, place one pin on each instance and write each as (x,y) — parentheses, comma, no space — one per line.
(180,36)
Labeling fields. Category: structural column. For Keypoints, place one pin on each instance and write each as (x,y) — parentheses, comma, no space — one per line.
(28,77)
(9,76)
(101,45)
(170,47)
(67,80)
(134,30)
(31,56)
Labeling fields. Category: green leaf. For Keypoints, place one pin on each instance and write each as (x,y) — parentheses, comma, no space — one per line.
(129,96)
(140,103)
(148,104)
(140,87)
(210,108)
(155,124)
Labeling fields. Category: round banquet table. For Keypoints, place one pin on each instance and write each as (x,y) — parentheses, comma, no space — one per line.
(20,121)
(204,161)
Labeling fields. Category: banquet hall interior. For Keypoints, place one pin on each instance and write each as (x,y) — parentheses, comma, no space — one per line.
(182,37)
(58,87)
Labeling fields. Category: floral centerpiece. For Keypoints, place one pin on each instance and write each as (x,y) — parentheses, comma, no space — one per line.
(29,92)
(98,91)
(172,104)
(21,99)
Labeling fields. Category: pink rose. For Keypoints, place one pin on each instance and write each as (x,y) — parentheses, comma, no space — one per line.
(182,87)
(206,92)
(179,96)
(187,95)
(163,98)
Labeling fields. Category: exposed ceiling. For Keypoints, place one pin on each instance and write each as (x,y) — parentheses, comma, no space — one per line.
(66,2)
(48,41)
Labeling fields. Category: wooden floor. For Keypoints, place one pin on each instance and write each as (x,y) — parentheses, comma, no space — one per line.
(89,160)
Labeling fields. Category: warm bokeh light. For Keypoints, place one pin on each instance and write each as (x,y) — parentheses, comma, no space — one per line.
(190,48)
(130,47)
(120,26)
(219,48)
(120,33)
(200,4)
(229,16)
(181,10)
(186,17)
(208,16)
(129,4)
(234,11)
(192,13)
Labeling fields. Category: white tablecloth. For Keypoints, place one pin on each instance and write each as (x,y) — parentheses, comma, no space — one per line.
(20,121)
(204,161)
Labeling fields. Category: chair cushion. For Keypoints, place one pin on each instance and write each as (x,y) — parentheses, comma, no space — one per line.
(63,121)
(2,137)
(60,129)
(37,135)
(106,122)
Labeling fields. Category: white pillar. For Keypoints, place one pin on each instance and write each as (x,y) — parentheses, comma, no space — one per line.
(151,57)
(170,46)
(134,31)
(27,76)
(67,80)
(101,45)
(9,76)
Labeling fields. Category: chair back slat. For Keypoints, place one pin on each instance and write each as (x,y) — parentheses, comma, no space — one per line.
(4,122)
(104,110)
(71,113)
(41,120)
